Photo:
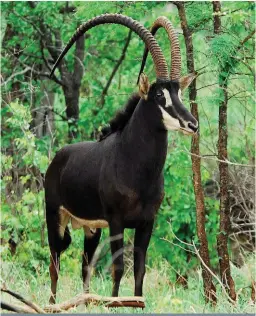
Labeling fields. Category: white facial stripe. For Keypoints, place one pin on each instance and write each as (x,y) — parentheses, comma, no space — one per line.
(167,98)
(179,95)
(170,123)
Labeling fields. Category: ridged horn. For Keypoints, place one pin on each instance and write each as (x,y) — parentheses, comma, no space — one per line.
(149,40)
(162,21)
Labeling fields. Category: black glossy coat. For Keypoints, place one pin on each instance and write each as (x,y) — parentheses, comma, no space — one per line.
(119,179)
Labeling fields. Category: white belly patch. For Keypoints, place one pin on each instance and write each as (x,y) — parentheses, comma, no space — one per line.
(77,222)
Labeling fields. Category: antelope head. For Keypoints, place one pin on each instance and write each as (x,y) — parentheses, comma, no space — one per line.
(167,93)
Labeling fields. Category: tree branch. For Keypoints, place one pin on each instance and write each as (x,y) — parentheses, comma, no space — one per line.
(67,9)
(210,157)
(122,57)
(43,55)
(208,85)
(47,75)
(15,74)
(43,74)
(246,39)
(23,300)
(16,308)
(29,22)
(208,19)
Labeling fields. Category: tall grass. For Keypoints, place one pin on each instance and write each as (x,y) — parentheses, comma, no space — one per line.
(160,294)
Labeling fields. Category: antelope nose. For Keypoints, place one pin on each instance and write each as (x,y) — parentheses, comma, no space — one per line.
(193,127)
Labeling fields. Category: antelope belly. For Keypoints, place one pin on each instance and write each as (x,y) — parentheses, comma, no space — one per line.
(77,222)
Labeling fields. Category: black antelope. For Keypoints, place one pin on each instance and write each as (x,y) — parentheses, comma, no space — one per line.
(117,182)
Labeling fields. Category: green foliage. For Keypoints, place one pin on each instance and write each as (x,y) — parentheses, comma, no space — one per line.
(23,139)
(22,205)
(223,47)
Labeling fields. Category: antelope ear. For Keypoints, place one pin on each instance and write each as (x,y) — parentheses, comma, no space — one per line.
(186,81)
(143,86)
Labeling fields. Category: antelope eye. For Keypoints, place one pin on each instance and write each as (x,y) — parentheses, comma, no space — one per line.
(159,94)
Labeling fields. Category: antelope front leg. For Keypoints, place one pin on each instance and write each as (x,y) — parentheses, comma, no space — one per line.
(142,238)
(117,242)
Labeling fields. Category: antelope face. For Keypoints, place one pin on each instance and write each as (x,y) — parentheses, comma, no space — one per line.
(167,96)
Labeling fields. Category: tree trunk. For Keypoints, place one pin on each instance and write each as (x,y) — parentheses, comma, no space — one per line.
(216,17)
(70,81)
(222,238)
(71,87)
(209,288)
(43,118)
(72,109)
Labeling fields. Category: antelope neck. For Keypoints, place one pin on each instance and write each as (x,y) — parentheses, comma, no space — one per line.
(144,140)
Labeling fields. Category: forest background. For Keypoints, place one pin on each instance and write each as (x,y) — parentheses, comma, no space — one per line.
(40,115)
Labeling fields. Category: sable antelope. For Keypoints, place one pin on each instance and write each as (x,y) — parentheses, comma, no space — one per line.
(116,182)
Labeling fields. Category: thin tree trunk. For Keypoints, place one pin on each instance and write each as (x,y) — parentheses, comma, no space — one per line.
(43,118)
(222,238)
(216,17)
(70,81)
(72,109)
(209,288)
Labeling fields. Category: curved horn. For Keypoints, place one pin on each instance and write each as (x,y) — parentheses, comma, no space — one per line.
(149,40)
(162,21)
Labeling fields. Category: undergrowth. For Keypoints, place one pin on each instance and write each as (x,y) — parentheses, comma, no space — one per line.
(160,294)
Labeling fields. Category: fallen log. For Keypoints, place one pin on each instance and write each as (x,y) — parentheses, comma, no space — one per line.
(131,301)
(81,299)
